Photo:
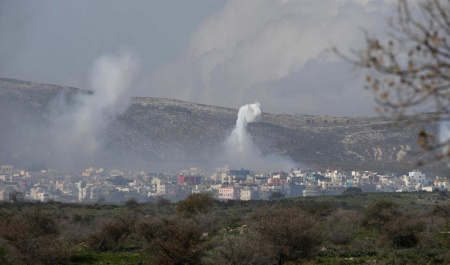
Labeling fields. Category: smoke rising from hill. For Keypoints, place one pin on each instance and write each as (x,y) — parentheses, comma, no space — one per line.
(79,125)
(239,140)
(240,151)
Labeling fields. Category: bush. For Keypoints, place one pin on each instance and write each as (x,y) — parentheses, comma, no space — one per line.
(276,195)
(33,237)
(352,191)
(162,202)
(196,203)
(340,227)
(236,249)
(380,212)
(173,240)
(132,202)
(403,230)
(111,235)
(441,210)
(16,197)
(4,256)
(287,233)
(315,207)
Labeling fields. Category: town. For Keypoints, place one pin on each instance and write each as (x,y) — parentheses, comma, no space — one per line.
(118,186)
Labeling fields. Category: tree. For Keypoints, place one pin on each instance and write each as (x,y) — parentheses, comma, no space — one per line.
(162,202)
(33,237)
(196,203)
(276,195)
(173,240)
(401,229)
(352,191)
(380,212)
(16,196)
(132,202)
(236,249)
(112,234)
(410,71)
(288,234)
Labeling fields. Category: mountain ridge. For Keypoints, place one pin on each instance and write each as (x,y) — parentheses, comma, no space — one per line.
(161,129)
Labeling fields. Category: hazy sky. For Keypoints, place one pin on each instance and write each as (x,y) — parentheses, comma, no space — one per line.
(218,52)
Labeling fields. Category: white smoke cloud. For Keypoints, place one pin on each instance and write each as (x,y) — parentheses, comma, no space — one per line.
(239,140)
(240,150)
(256,48)
(80,127)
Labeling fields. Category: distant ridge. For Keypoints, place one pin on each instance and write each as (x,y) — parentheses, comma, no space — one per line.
(159,129)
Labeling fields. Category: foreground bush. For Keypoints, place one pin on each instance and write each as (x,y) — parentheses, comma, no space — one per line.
(173,240)
(340,227)
(237,249)
(379,213)
(196,203)
(287,234)
(33,237)
(111,235)
(403,231)
(400,229)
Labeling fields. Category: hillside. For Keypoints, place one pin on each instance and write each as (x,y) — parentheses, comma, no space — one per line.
(155,129)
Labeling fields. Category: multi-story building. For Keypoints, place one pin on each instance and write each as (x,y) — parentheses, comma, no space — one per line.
(230,193)
(249,193)
(189,180)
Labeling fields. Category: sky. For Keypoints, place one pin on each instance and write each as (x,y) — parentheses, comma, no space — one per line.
(221,52)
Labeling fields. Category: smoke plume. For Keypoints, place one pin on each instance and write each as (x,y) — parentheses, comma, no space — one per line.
(80,126)
(275,51)
(242,152)
(239,140)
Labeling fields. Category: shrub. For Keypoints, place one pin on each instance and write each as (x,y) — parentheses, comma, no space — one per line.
(287,233)
(16,196)
(276,195)
(403,230)
(340,227)
(352,191)
(196,203)
(380,212)
(111,235)
(132,202)
(4,256)
(441,210)
(33,237)
(173,240)
(315,208)
(162,202)
(236,249)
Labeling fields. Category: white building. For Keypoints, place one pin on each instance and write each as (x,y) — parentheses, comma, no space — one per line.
(229,193)
(248,194)
(414,177)
(39,194)
(386,187)
(165,188)
(329,184)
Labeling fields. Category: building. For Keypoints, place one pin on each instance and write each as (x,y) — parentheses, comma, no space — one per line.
(249,193)
(312,190)
(229,193)
(414,177)
(189,180)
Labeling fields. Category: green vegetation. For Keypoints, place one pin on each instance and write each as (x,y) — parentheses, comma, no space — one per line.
(356,228)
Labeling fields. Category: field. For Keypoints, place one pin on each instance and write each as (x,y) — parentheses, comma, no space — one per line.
(372,228)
